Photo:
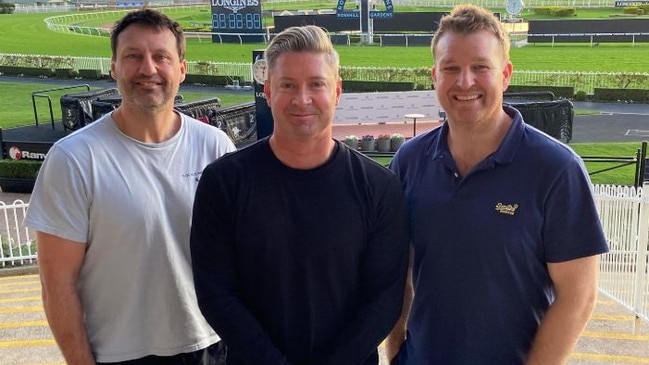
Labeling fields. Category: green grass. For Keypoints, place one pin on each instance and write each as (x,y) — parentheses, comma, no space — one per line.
(16,28)
(16,102)
(618,176)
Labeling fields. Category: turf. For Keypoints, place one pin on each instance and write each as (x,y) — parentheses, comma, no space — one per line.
(16,28)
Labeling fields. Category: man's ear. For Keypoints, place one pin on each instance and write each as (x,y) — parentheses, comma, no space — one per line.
(112,69)
(183,70)
(508,70)
(339,90)
(267,91)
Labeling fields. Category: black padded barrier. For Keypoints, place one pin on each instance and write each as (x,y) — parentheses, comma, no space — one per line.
(77,108)
(554,117)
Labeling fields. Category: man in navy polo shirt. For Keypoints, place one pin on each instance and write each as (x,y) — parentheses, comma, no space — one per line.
(504,227)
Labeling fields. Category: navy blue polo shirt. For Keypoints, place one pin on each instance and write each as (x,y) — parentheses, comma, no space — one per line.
(482,241)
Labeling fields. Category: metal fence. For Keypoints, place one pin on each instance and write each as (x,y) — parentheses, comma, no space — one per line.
(624,212)
(16,241)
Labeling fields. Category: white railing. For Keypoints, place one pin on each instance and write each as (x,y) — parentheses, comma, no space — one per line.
(623,210)
(585,81)
(16,241)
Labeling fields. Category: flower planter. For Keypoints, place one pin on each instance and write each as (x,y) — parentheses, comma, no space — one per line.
(383,145)
(351,143)
(395,143)
(368,144)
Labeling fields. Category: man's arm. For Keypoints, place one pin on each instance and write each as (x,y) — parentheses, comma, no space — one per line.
(383,271)
(213,264)
(59,263)
(575,286)
(398,334)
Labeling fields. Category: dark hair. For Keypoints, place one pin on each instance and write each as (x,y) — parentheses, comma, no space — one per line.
(308,38)
(467,19)
(149,18)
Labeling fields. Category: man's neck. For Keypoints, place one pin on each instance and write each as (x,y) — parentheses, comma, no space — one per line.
(471,144)
(148,126)
(302,155)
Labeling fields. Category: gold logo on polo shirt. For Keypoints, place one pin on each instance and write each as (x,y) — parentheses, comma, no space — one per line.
(506,208)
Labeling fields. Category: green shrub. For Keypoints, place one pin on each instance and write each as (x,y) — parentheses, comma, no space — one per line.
(634,10)
(371,86)
(7,8)
(26,71)
(580,95)
(558,11)
(90,74)
(65,73)
(635,95)
(22,169)
(17,250)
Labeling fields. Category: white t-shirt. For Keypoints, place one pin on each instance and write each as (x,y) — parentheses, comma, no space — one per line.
(131,203)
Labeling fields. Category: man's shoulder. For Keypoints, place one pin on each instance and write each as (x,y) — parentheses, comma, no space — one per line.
(244,157)
(419,146)
(544,147)
(92,134)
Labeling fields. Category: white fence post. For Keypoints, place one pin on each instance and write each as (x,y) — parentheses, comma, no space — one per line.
(641,296)
(15,239)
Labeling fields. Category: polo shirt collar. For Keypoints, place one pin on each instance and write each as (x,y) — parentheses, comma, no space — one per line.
(503,155)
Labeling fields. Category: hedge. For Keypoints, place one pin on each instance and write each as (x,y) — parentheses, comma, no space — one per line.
(7,8)
(370,86)
(26,71)
(26,169)
(90,74)
(636,95)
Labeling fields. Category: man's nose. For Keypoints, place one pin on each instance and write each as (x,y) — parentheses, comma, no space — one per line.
(148,66)
(465,79)
(302,96)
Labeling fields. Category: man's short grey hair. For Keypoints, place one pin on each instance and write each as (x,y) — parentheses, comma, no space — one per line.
(308,38)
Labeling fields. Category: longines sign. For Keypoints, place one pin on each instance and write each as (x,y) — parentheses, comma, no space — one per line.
(235,5)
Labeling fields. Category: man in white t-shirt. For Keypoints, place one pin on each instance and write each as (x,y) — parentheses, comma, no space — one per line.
(112,211)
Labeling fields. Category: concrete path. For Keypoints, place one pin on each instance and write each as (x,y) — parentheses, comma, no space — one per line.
(613,336)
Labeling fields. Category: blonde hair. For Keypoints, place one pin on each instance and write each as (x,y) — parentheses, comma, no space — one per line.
(309,38)
(467,19)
